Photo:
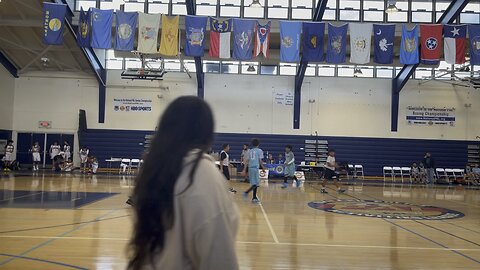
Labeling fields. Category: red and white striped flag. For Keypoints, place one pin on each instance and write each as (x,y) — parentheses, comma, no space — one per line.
(455,40)
(262,39)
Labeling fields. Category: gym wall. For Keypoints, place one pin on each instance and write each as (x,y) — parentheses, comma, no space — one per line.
(7,87)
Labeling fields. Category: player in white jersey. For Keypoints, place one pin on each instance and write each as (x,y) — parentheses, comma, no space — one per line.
(83,158)
(67,154)
(330,173)
(36,155)
(225,164)
(55,149)
(8,158)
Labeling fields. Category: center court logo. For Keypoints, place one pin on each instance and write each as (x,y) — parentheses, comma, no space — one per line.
(384,209)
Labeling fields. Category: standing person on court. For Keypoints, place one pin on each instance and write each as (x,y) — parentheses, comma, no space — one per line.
(67,154)
(83,153)
(254,162)
(243,157)
(225,164)
(36,155)
(8,158)
(330,173)
(429,164)
(184,217)
(289,167)
(54,151)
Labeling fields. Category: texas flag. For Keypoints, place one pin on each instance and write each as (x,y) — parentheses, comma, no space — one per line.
(220,32)
(262,39)
(455,40)
(431,43)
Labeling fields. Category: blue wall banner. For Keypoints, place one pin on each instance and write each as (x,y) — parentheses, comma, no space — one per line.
(430,115)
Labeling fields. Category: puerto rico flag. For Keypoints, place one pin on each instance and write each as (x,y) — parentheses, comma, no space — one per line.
(262,39)
(431,43)
(455,42)
(220,32)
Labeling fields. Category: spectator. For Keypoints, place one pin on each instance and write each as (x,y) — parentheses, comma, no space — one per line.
(270,159)
(243,158)
(8,158)
(429,163)
(415,173)
(280,159)
(423,172)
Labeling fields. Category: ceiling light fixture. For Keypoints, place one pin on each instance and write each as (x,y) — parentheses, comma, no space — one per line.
(392,8)
(255,4)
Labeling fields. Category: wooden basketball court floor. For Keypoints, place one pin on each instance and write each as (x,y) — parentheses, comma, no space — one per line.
(82,222)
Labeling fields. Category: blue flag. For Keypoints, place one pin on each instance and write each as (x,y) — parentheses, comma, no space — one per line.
(102,28)
(195,28)
(313,34)
(409,52)
(337,43)
(384,36)
(243,35)
(290,41)
(126,25)
(474,33)
(53,18)
(84,29)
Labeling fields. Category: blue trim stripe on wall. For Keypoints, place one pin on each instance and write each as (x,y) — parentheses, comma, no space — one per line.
(372,153)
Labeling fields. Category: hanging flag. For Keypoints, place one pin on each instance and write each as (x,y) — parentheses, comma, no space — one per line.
(83,32)
(243,31)
(409,46)
(148,25)
(384,37)
(169,39)
(290,41)
(102,28)
(126,25)
(53,18)
(360,42)
(262,39)
(195,27)
(337,43)
(431,43)
(220,32)
(474,35)
(313,33)
(455,41)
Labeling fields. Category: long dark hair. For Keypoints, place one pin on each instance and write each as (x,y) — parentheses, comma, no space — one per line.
(186,124)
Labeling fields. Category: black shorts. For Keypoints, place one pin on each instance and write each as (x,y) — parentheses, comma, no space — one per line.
(330,174)
(226,172)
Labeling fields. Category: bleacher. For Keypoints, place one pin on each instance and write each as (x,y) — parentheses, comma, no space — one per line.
(372,153)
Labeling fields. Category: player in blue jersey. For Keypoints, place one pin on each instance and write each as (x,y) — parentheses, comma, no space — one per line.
(289,167)
(254,161)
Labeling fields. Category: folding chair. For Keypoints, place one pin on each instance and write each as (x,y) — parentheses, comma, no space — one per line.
(359,171)
(406,171)
(351,171)
(450,175)
(397,171)
(134,164)
(387,171)
(124,165)
(441,175)
(459,174)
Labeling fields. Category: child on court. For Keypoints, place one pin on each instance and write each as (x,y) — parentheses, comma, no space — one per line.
(8,158)
(415,173)
(243,157)
(36,155)
(330,173)
(289,167)
(225,164)
(83,158)
(67,154)
(55,149)
(254,161)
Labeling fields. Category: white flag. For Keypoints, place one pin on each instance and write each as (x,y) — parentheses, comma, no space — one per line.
(148,25)
(360,42)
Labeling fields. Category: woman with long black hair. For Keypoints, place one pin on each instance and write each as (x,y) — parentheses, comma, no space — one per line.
(184,217)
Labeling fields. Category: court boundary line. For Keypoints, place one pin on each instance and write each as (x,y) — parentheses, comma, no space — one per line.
(4,262)
(451,234)
(42,260)
(274,235)
(460,226)
(23,196)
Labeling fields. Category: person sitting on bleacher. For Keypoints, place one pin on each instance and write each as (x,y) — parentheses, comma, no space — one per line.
(270,159)
(415,173)
(476,175)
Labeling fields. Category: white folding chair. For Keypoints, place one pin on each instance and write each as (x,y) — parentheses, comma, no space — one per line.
(124,165)
(387,171)
(134,164)
(407,171)
(397,171)
(459,174)
(441,174)
(359,171)
(351,169)
(450,175)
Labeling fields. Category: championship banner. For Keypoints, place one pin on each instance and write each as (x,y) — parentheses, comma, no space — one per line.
(132,105)
(430,116)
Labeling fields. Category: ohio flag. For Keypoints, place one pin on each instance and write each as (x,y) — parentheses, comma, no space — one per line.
(220,32)
(431,43)
(455,42)
(262,39)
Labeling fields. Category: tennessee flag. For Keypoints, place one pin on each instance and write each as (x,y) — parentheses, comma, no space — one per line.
(431,43)
(169,37)
(262,39)
(455,42)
